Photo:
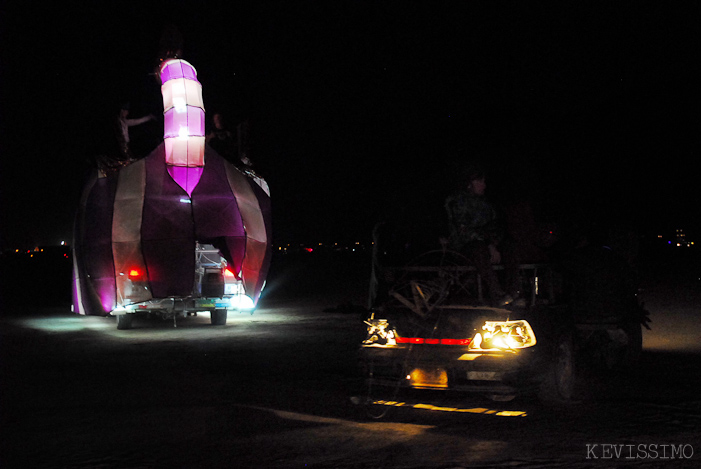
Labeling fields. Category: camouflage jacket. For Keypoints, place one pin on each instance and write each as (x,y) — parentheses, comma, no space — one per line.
(471,218)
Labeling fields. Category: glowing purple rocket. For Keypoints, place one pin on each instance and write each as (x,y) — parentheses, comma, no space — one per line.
(183,115)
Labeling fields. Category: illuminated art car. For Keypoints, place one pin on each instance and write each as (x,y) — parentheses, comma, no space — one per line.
(180,231)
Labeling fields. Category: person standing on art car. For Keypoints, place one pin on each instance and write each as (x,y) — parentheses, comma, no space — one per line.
(232,145)
(113,140)
(474,232)
(122,130)
(222,140)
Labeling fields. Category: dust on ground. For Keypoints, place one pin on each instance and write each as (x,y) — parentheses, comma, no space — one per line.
(274,389)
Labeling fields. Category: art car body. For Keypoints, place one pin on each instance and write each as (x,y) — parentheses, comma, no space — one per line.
(169,234)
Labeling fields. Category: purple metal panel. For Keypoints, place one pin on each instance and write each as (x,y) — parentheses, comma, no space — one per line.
(94,245)
(256,233)
(126,229)
(85,299)
(216,213)
(171,266)
(167,231)
(266,212)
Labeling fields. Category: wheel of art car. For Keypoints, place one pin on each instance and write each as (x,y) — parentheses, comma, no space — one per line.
(219,317)
(124,321)
(180,231)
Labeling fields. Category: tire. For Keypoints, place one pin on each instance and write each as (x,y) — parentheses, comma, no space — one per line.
(374,411)
(558,384)
(219,317)
(124,321)
(371,392)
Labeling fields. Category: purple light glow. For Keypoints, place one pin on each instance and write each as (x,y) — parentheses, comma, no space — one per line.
(174,69)
(185,151)
(186,177)
(183,130)
(192,120)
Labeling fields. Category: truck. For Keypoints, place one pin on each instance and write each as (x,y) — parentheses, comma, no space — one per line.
(431,331)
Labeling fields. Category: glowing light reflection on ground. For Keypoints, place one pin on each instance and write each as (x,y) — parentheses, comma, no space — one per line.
(475,410)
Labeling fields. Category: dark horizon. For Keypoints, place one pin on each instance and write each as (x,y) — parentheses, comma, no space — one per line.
(586,109)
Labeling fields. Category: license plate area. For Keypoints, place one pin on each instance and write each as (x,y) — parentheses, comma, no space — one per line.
(484,375)
(428,378)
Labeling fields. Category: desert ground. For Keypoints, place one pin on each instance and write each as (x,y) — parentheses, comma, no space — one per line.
(273,389)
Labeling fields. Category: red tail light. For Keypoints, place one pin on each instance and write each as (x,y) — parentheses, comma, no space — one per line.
(228,273)
(134,273)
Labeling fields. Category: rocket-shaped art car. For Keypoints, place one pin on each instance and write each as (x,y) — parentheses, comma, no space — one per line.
(181,230)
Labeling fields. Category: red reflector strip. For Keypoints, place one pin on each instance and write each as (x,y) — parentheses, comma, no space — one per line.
(409,340)
(421,340)
(456,341)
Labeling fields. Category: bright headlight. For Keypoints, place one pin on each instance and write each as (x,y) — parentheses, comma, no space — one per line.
(379,333)
(241,302)
(504,335)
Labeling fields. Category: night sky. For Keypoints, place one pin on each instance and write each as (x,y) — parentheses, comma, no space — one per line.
(362,111)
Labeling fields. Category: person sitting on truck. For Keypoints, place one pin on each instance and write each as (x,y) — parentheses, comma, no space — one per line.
(474,232)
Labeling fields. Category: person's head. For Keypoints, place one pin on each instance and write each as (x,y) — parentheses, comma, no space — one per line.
(478,186)
(218,120)
(475,180)
(124,110)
